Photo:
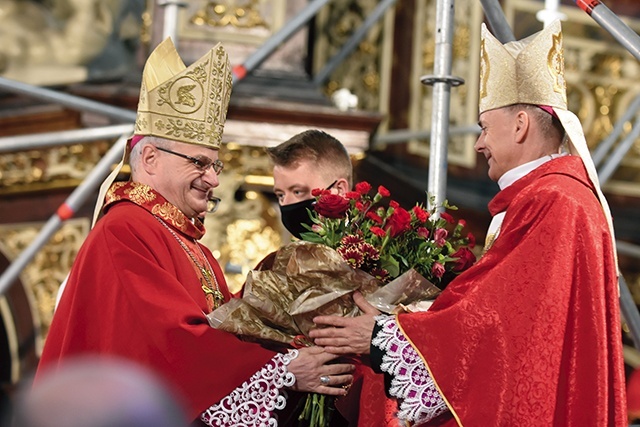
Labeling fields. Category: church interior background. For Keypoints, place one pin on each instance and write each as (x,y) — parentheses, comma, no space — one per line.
(373,101)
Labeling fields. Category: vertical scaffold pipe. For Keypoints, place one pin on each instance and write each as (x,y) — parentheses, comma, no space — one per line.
(442,82)
(170,22)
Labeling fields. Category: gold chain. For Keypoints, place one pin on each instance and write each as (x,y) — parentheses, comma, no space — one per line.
(212,288)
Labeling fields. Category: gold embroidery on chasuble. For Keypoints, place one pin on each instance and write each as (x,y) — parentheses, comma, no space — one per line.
(140,194)
(172,215)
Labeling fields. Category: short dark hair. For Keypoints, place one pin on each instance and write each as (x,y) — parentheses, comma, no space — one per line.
(550,125)
(316,146)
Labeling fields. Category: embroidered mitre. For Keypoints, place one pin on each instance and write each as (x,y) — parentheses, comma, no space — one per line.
(186,104)
(527,71)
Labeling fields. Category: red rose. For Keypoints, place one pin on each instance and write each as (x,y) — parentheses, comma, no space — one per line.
(394,204)
(466,258)
(437,270)
(363,187)
(383,191)
(420,213)
(399,222)
(317,191)
(352,195)
(332,206)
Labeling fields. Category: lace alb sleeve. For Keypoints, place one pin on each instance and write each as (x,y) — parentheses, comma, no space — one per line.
(252,403)
(418,398)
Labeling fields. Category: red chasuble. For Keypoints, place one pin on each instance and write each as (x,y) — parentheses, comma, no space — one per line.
(530,335)
(133,292)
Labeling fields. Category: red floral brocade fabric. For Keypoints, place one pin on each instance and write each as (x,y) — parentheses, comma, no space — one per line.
(530,335)
(366,404)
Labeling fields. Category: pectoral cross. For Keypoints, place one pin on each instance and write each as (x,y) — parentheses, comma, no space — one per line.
(218,298)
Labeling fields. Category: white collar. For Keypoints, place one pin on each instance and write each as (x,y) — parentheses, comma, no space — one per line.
(518,172)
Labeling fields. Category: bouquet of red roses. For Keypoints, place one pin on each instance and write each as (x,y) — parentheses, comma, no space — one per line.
(393,256)
(387,240)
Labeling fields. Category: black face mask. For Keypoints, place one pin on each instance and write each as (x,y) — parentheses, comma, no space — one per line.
(295,214)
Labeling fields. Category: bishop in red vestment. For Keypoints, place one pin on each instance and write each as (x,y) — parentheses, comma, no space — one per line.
(142,284)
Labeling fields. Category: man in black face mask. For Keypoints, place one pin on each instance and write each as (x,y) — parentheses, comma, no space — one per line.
(309,160)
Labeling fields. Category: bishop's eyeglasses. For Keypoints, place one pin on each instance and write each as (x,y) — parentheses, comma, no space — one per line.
(203,163)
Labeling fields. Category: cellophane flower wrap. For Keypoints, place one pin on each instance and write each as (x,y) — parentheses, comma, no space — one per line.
(394,257)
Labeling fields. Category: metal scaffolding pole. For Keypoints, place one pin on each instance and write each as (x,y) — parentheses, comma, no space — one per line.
(353,41)
(614,25)
(396,136)
(601,150)
(497,21)
(73,102)
(618,154)
(75,200)
(442,82)
(256,58)
(37,141)
(170,23)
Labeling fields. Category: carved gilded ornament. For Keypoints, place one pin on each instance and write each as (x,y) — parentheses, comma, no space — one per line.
(44,274)
(361,72)
(237,14)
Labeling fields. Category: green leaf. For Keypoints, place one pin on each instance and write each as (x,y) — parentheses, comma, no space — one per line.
(312,237)
(391,265)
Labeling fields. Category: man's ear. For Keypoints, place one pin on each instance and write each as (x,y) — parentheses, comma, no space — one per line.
(522,123)
(149,159)
(342,185)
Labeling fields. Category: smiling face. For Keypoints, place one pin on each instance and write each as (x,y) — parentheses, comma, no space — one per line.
(181,182)
(498,141)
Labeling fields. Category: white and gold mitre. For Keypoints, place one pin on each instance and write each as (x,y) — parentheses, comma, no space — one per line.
(186,104)
(527,71)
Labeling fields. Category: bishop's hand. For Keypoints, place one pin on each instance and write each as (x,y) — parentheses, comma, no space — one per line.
(346,335)
(315,373)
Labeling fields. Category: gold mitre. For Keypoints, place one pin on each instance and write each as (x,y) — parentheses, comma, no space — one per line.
(186,104)
(528,71)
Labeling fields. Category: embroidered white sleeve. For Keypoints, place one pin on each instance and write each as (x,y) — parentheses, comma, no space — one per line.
(418,398)
(252,403)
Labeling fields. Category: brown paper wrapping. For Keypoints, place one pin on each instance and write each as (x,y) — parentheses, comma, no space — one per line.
(307,280)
